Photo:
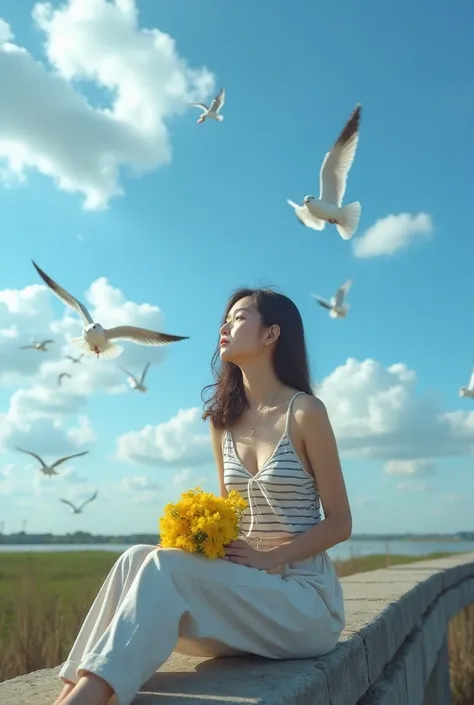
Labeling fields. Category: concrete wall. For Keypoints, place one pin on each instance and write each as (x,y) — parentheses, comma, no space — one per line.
(393,652)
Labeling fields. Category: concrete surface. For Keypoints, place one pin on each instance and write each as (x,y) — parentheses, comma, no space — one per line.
(393,651)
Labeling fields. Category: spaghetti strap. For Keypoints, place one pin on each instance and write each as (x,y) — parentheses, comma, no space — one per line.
(288,411)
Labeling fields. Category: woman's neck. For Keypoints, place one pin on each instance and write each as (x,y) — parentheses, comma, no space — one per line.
(261,385)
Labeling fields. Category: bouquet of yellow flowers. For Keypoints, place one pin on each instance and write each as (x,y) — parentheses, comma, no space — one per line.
(201,522)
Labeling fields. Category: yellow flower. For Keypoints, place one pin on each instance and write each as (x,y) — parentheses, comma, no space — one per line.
(201,522)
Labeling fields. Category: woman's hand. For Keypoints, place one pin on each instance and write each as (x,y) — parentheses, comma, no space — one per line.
(241,552)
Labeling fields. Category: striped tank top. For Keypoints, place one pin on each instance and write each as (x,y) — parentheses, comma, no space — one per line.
(283,499)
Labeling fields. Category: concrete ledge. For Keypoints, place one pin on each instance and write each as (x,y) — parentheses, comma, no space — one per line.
(396,631)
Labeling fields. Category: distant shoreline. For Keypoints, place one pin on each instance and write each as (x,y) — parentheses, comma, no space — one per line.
(81,538)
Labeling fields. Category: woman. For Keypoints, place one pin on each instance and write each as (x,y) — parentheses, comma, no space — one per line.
(276,593)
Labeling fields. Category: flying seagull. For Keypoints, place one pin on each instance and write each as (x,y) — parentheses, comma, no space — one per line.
(43,346)
(63,374)
(78,510)
(97,340)
(213,111)
(49,469)
(316,212)
(469,390)
(137,383)
(336,306)
(75,360)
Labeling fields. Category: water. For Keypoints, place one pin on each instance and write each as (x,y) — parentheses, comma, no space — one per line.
(348,549)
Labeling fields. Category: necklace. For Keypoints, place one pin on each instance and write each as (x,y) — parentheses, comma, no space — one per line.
(252,430)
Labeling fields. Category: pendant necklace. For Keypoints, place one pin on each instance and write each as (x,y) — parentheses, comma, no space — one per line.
(252,430)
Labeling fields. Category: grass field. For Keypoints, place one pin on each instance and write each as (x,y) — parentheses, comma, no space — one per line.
(45,596)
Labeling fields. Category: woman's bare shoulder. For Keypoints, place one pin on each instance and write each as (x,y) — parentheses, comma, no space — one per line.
(308,404)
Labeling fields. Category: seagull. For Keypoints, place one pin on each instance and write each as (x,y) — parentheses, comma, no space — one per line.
(316,212)
(469,390)
(336,306)
(43,346)
(78,510)
(213,111)
(97,340)
(134,382)
(63,374)
(75,360)
(49,469)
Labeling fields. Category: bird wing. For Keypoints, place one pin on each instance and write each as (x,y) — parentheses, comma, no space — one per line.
(128,373)
(88,500)
(27,347)
(65,296)
(471,381)
(63,374)
(218,101)
(143,336)
(142,378)
(46,342)
(199,105)
(68,457)
(305,217)
(338,161)
(322,302)
(341,292)
(28,452)
(66,501)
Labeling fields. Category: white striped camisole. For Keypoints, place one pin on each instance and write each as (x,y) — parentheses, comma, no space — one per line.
(283,498)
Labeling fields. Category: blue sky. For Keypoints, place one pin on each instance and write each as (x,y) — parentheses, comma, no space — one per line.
(213,216)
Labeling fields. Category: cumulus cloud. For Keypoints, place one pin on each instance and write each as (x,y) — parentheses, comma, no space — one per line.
(48,125)
(420,467)
(376,413)
(392,233)
(180,441)
(140,489)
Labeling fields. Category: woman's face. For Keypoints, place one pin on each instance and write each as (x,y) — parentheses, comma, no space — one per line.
(242,336)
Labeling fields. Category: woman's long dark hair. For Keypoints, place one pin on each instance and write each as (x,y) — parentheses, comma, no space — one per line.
(290,359)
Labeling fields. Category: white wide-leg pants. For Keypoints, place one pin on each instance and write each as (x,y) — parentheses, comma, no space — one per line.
(155,601)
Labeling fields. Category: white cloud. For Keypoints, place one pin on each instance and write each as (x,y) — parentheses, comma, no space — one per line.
(5,32)
(392,233)
(376,413)
(412,486)
(180,441)
(48,125)
(420,467)
(140,489)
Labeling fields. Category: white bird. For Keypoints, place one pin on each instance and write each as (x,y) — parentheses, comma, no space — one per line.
(469,390)
(336,306)
(43,346)
(137,383)
(78,510)
(213,110)
(75,360)
(60,377)
(97,340)
(49,469)
(316,212)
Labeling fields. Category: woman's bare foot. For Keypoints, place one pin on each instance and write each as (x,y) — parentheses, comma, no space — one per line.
(89,690)
(69,685)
